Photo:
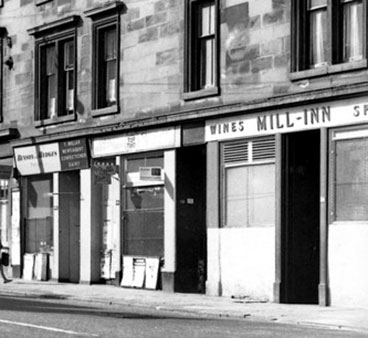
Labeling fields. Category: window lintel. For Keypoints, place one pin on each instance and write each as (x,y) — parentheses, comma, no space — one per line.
(62,24)
(111,8)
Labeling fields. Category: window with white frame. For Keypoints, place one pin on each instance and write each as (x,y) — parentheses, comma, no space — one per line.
(248,182)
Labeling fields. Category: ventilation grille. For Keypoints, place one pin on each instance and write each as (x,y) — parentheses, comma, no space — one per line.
(236,152)
(264,149)
(259,149)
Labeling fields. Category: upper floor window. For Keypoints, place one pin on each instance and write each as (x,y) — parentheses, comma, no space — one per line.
(327,32)
(106,72)
(106,38)
(201,76)
(55,57)
(56,78)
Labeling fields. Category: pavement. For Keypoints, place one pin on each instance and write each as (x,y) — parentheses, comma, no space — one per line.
(351,319)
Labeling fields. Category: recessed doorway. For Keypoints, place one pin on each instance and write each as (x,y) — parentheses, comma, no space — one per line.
(300,224)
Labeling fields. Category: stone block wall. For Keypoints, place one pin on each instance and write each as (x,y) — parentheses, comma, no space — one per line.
(254,57)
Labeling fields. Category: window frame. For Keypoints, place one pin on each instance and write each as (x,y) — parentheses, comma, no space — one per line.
(102,18)
(249,162)
(47,34)
(191,69)
(61,90)
(300,44)
(347,134)
(99,91)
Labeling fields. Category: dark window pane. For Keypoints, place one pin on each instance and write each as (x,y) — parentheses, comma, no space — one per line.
(68,55)
(51,61)
(110,44)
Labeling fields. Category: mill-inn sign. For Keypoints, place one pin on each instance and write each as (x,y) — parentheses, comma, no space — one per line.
(284,121)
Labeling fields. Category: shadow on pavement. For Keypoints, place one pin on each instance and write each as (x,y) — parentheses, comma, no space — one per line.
(34,304)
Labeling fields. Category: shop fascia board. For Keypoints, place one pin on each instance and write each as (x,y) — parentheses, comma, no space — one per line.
(202,113)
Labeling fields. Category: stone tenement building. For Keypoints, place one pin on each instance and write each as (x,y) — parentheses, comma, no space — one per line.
(213,146)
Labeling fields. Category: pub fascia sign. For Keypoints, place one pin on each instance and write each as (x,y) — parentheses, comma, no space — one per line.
(51,157)
(306,118)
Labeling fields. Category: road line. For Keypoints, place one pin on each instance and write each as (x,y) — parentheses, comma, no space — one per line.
(54,329)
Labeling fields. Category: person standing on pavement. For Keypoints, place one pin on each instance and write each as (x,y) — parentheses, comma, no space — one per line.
(6,280)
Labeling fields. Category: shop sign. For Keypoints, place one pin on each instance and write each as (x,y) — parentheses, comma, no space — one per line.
(285,121)
(103,171)
(150,174)
(123,144)
(73,154)
(51,157)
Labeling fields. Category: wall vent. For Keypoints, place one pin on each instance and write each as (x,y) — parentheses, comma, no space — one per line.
(249,151)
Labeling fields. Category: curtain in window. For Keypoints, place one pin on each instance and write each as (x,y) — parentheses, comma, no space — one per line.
(207,44)
(318,37)
(110,59)
(69,75)
(51,68)
(353,30)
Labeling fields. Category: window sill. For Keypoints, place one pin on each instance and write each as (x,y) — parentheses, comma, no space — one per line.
(56,120)
(105,111)
(41,2)
(199,94)
(327,70)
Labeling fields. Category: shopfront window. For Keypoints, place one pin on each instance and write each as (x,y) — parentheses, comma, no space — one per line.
(144,206)
(248,183)
(250,195)
(351,179)
(38,223)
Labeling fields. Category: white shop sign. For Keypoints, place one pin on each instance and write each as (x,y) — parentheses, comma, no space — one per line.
(286,121)
(51,157)
(38,159)
(144,141)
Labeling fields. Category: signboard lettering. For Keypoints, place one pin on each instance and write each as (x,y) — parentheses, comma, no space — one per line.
(73,154)
(51,157)
(298,119)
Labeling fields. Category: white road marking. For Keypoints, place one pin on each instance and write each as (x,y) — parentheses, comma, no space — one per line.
(54,329)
